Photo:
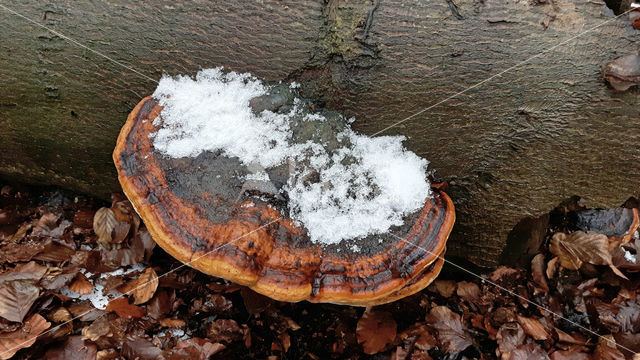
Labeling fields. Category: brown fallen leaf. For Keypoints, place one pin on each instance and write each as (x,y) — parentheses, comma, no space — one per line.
(81,285)
(74,348)
(509,337)
(533,328)
(224,330)
(468,291)
(445,288)
(375,330)
(285,341)
(582,246)
(122,307)
(104,222)
(537,273)
(452,333)
(172,323)
(24,271)
(16,298)
(142,288)
(13,341)
(199,348)
(607,349)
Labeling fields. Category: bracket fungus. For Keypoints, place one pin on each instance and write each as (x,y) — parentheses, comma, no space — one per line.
(249,183)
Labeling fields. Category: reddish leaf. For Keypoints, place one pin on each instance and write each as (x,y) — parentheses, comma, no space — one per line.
(81,285)
(122,307)
(143,287)
(376,330)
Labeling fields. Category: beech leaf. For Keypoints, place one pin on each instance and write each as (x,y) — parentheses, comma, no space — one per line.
(375,330)
(22,338)
(582,246)
(16,298)
(104,221)
(452,333)
(122,307)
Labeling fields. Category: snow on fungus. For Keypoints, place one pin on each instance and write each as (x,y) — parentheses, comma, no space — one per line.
(364,186)
(248,182)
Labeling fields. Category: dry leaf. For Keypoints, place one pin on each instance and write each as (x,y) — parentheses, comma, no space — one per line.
(13,341)
(16,298)
(446,288)
(468,291)
(285,340)
(24,271)
(172,323)
(552,267)
(375,330)
(75,348)
(99,328)
(509,337)
(533,328)
(582,246)
(199,348)
(122,307)
(607,349)
(104,221)
(224,330)
(452,333)
(142,288)
(81,285)
(537,272)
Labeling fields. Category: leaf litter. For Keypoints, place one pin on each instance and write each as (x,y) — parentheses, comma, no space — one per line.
(85,277)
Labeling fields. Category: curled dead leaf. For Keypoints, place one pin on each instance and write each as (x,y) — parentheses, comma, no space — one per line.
(582,246)
(375,330)
(537,273)
(81,285)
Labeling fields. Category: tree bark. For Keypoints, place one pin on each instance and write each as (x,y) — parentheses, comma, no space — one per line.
(513,146)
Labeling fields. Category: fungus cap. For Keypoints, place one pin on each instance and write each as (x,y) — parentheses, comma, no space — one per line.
(192,210)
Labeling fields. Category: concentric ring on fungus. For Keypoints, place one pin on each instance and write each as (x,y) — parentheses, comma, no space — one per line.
(184,205)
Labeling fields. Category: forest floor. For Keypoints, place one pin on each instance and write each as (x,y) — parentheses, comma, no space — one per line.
(61,296)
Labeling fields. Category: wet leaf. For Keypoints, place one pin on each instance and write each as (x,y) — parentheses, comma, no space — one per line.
(26,336)
(375,330)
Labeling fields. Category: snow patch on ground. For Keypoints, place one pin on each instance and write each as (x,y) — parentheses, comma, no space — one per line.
(96,297)
(363,188)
